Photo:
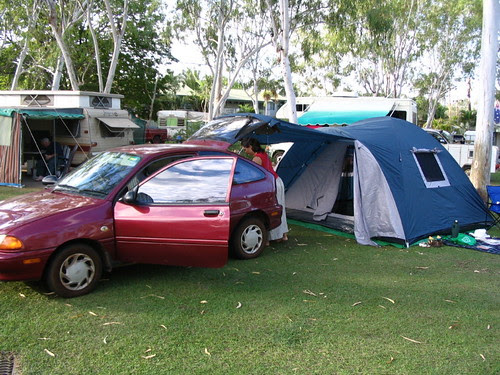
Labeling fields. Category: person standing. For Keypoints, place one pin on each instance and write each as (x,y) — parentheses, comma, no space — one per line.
(51,152)
(254,149)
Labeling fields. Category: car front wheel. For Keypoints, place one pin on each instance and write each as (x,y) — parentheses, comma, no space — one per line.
(249,239)
(74,271)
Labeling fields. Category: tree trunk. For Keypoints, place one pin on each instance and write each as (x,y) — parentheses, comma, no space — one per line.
(117,42)
(285,62)
(96,49)
(33,17)
(56,80)
(480,171)
(62,45)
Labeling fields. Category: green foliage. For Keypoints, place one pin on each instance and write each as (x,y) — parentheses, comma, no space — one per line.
(246,108)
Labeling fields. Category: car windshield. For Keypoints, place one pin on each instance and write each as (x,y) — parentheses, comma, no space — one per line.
(100,175)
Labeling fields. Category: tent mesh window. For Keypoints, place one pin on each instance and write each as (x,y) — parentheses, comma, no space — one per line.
(430,168)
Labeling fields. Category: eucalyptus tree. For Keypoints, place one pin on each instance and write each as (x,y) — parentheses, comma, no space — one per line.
(222,32)
(286,17)
(32,12)
(375,40)
(450,38)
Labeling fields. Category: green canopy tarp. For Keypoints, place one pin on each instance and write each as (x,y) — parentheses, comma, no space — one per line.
(45,113)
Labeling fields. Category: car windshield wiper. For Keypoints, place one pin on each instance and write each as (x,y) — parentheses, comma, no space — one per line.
(65,187)
(92,192)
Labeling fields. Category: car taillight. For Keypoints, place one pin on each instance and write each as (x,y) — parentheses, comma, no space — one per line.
(10,242)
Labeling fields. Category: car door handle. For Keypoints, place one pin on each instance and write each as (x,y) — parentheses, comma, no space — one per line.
(212,212)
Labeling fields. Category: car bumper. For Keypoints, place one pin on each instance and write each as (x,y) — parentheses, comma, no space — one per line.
(24,265)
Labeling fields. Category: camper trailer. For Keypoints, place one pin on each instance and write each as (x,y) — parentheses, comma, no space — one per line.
(180,122)
(341,110)
(346,109)
(84,122)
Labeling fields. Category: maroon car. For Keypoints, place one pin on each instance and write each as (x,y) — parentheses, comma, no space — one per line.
(182,205)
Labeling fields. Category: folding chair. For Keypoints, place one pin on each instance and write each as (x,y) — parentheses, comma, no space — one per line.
(494,203)
(65,161)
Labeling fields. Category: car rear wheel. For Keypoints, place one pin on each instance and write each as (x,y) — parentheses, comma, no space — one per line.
(249,239)
(74,271)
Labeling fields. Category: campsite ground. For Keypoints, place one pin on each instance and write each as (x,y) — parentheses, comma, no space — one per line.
(317,304)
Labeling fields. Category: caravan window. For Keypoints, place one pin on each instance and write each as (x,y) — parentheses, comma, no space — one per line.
(430,168)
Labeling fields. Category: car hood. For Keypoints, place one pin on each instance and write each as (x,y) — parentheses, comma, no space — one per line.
(18,211)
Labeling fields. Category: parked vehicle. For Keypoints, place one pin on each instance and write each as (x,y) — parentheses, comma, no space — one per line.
(153,134)
(180,122)
(462,153)
(181,205)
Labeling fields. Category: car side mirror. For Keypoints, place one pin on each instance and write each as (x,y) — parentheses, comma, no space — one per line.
(130,196)
(49,180)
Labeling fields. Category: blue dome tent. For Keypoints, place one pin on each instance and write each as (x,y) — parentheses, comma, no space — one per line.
(397,182)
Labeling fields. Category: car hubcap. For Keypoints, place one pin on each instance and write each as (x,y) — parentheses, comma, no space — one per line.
(77,271)
(251,239)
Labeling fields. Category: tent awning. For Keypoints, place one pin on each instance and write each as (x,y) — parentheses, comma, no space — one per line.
(118,123)
(46,113)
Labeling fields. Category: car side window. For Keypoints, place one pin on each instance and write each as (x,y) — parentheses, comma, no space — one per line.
(152,168)
(203,181)
(246,172)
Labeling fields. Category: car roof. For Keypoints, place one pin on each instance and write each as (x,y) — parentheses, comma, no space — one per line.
(152,149)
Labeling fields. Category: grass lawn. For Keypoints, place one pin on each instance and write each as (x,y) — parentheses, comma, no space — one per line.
(317,304)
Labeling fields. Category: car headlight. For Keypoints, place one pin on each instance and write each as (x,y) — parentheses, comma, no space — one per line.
(10,242)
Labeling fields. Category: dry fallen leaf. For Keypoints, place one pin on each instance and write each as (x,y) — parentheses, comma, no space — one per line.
(301,244)
(422,268)
(104,340)
(483,357)
(383,307)
(307,291)
(203,301)
(163,326)
(111,323)
(449,300)
(415,341)
(22,295)
(239,305)
(92,313)
(148,356)
(207,352)
(49,353)
(488,327)
(356,303)
(256,273)
(390,360)
(153,295)
(388,299)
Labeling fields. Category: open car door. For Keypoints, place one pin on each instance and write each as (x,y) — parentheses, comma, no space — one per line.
(179,216)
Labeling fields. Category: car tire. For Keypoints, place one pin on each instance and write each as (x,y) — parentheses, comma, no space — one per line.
(74,271)
(249,239)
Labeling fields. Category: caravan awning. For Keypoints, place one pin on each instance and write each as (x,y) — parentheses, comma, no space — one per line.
(118,123)
(45,113)
(344,112)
